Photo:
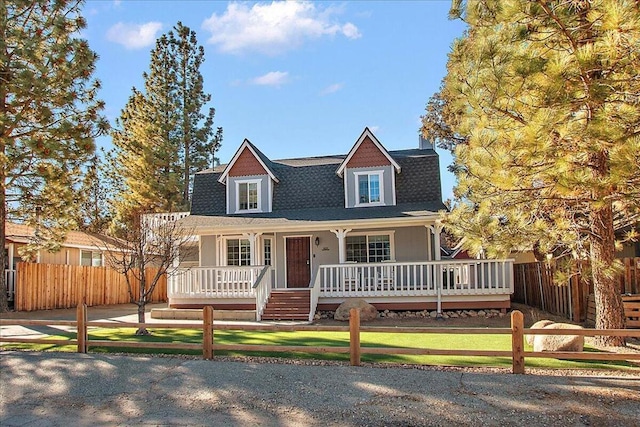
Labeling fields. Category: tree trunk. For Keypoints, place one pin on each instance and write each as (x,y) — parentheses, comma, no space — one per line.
(4,133)
(141,319)
(609,308)
(4,304)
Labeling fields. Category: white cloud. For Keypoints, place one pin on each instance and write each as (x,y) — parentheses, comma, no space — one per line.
(134,36)
(331,89)
(117,2)
(273,28)
(374,128)
(273,78)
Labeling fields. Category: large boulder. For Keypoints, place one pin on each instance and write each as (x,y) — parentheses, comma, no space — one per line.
(559,342)
(367,311)
(538,325)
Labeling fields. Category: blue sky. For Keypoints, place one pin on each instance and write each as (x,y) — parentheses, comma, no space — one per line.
(296,79)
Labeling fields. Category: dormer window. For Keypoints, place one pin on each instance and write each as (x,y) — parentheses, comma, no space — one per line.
(248,195)
(369,187)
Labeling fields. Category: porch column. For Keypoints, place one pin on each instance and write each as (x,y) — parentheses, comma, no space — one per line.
(436,229)
(253,243)
(220,251)
(429,252)
(341,234)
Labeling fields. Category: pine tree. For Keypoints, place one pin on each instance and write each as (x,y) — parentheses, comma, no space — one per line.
(94,215)
(49,115)
(195,131)
(162,137)
(546,95)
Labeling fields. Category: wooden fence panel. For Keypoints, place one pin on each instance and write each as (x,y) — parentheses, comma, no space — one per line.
(535,285)
(49,286)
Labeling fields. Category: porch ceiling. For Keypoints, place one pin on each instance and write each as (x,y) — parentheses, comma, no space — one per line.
(323,218)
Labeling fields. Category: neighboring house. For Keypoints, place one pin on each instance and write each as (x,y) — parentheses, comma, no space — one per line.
(78,248)
(318,230)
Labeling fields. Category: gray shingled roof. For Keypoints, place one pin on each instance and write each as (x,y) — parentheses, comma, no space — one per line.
(310,190)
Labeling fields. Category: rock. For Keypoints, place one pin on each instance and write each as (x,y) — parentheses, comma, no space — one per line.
(473,314)
(559,342)
(538,325)
(482,313)
(445,316)
(453,315)
(433,314)
(367,311)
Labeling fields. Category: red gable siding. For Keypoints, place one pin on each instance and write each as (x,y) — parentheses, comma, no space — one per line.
(247,165)
(367,155)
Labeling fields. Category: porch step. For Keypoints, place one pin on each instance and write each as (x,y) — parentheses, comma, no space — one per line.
(288,305)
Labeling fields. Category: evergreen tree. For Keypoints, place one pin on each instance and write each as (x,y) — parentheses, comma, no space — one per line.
(49,116)
(94,215)
(195,132)
(546,95)
(163,138)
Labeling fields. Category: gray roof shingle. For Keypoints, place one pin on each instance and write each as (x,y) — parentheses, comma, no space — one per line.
(310,189)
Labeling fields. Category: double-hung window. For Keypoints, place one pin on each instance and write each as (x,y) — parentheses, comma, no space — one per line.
(369,188)
(238,252)
(369,248)
(248,196)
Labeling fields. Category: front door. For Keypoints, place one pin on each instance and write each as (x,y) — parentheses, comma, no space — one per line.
(298,261)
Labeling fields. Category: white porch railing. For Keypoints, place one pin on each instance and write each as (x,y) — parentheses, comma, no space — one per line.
(432,278)
(10,283)
(214,282)
(262,289)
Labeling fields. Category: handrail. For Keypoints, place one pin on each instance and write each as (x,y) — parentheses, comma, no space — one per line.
(262,290)
(314,291)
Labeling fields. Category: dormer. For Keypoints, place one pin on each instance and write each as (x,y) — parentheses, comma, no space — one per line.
(249,180)
(369,174)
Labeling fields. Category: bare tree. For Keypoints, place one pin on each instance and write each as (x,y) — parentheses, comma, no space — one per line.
(148,250)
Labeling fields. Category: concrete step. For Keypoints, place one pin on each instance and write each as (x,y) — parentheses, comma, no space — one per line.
(285,317)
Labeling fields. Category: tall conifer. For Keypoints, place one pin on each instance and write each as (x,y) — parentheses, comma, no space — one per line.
(545,94)
(49,116)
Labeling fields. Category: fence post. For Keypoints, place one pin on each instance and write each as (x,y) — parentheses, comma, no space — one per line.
(517,342)
(81,327)
(207,332)
(354,336)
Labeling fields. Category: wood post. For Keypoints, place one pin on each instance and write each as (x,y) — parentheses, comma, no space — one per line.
(517,341)
(207,332)
(81,321)
(354,336)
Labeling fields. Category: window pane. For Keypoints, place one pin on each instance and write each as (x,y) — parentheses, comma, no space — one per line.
(379,248)
(85,258)
(245,252)
(253,196)
(363,188)
(267,252)
(374,188)
(243,197)
(357,248)
(96,259)
(233,252)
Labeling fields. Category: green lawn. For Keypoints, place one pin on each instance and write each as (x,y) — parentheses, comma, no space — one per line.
(339,339)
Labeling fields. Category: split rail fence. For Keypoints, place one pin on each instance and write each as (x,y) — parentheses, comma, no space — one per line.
(536,285)
(49,286)
(355,350)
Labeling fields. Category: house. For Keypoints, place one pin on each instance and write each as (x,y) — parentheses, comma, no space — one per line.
(288,237)
(78,248)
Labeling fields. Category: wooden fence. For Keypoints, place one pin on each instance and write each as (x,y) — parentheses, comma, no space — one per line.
(49,286)
(535,284)
(355,350)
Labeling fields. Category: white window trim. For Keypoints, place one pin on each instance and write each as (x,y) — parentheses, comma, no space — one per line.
(258,183)
(261,255)
(357,175)
(390,233)
(225,252)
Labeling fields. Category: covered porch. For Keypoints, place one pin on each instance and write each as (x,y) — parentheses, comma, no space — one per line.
(409,285)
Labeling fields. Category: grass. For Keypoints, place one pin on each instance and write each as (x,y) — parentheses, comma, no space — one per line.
(328,339)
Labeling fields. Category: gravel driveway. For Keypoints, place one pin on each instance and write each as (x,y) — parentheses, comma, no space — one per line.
(91,389)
